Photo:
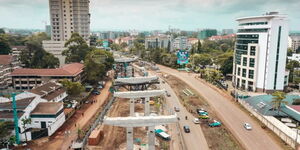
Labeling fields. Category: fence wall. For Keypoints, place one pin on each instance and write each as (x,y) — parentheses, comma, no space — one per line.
(280,129)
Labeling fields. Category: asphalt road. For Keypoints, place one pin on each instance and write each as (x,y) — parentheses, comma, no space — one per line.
(194,140)
(229,113)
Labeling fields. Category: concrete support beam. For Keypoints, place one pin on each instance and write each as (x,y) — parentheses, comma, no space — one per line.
(137,80)
(151,138)
(147,106)
(139,94)
(140,121)
(129,138)
(132,107)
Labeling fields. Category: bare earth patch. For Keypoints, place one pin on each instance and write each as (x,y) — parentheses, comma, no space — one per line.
(218,138)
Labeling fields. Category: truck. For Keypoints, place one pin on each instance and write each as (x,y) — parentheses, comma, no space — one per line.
(162,134)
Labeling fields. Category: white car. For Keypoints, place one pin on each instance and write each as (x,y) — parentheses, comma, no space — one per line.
(196,121)
(247,126)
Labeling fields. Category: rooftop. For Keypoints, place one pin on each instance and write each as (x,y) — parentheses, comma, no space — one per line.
(66,70)
(263,104)
(267,15)
(5,59)
(9,114)
(48,91)
(21,104)
(47,108)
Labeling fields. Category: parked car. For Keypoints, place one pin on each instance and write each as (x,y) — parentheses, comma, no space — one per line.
(96,92)
(247,126)
(186,129)
(196,121)
(215,123)
(176,109)
(168,94)
(204,117)
(198,110)
(87,101)
(203,113)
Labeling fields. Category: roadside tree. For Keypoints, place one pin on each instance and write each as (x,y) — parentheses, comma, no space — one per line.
(278,100)
(77,49)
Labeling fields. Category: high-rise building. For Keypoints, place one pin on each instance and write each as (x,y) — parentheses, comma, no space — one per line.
(67,17)
(260,53)
(206,33)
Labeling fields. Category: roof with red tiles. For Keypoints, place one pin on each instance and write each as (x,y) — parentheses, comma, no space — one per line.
(66,70)
(295,107)
(5,59)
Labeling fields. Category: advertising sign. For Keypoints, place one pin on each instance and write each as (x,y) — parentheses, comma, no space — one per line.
(182,57)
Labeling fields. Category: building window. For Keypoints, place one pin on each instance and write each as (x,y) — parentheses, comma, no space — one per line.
(36,122)
(244,61)
(252,50)
(250,86)
(251,74)
(251,62)
(244,72)
(243,84)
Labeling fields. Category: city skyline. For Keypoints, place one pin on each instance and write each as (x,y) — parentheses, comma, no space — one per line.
(151,15)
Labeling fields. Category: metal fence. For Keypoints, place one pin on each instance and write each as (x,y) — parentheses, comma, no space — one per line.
(269,121)
(99,120)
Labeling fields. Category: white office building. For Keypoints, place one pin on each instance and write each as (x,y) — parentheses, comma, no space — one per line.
(67,17)
(181,43)
(294,41)
(260,53)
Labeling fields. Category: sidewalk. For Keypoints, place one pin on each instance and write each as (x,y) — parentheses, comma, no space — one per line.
(64,138)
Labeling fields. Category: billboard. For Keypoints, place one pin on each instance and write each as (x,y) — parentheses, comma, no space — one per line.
(105,44)
(182,57)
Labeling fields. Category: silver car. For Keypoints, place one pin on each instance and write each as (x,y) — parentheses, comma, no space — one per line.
(247,126)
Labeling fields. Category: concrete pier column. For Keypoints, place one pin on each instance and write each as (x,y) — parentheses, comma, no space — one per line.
(129,138)
(151,138)
(147,106)
(132,107)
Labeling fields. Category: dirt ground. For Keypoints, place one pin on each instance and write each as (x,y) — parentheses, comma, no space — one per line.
(218,138)
(82,118)
(115,137)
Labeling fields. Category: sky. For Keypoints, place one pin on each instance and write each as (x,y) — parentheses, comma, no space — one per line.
(152,14)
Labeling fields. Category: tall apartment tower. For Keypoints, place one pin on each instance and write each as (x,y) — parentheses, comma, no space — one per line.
(260,53)
(67,17)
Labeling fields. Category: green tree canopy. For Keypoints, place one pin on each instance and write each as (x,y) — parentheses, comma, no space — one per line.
(201,59)
(97,63)
(5,129)
(73,88)
(34,56)
(278,100)
(4,45)
(77,49)
(291,65)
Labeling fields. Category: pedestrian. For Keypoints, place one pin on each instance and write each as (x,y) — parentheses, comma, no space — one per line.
(75,124)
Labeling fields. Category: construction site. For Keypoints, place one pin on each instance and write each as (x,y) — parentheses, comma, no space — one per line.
(136,113)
